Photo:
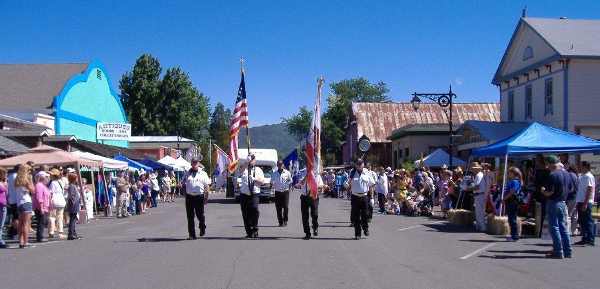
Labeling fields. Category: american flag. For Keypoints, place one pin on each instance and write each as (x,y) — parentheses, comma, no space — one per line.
(313,145)
(239,119)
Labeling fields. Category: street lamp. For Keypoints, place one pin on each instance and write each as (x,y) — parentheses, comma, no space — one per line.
(444,100)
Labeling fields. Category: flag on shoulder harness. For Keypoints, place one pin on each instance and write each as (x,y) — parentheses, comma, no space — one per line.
(221,167)
(313,146)
(239,119)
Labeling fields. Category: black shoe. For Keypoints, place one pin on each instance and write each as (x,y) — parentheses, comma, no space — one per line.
(554,256)
(280,224)
(307,237)
(569,256)
(366,233)
(580,243)
(316,232)
(74,238)
(192,238)
(255,235)
(248,236)
(285,223)
(202,232)
(357,237)
(590,244)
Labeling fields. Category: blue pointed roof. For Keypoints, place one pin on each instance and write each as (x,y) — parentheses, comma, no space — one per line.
(539,138)
(438,158)
(132,163)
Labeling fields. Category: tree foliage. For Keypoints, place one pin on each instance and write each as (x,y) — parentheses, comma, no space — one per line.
(219,125)
(298,125)
(335,119)
(167,106)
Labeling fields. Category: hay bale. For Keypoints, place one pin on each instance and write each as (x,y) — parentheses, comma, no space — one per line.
(497,225)
(460,217)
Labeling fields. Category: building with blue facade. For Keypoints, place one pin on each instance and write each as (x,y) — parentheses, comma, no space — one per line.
(68,98)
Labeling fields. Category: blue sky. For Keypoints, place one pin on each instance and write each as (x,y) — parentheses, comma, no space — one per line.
(410,45)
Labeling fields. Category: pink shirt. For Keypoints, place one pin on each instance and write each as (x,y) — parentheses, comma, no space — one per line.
(41,201)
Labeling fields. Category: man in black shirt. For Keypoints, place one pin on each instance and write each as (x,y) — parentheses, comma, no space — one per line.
(556,191)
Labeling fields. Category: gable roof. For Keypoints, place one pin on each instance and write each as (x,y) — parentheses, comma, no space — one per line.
(378,120)
(567,37)
(10,147)
(32,87)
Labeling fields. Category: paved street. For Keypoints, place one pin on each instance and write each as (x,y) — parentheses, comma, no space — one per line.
(403,252)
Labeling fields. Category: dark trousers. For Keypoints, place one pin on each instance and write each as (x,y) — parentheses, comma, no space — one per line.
(369,207)
(358,213)
(153,196)
(381,202)
(41,220)
(282,200)
(588,232)
(512,207)
(249,206)
(194,206)
(307,203)
(72,223)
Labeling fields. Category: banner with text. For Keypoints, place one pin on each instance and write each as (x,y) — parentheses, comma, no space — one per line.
(113,131)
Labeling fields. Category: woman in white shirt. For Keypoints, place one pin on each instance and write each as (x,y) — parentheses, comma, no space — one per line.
(24,188)
(58,204)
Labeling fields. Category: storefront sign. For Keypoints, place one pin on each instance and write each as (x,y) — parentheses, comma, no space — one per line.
(113,131)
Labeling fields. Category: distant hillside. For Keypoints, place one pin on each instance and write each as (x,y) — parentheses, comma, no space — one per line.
(269,136)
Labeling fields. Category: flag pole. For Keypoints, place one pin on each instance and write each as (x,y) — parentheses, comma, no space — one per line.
(250,188)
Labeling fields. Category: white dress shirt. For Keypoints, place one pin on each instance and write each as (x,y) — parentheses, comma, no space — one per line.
(196,183)
(256,177)
(361,182)
(382,184)
(281,181)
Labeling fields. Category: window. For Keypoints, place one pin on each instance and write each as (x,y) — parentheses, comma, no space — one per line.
(548,93)
(528,102)
(511,105)
(406,153)
(527,53)
(395,158)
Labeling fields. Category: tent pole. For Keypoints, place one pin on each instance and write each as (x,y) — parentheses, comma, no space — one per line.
(81,196)
(94,192)
(503,183)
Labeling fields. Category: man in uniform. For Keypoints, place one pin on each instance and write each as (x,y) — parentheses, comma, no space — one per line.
(281,180)
(360,184)
(197,185)
(308,203)
(122,195)
(251,180)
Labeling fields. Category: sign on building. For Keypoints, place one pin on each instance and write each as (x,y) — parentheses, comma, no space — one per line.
(113,131)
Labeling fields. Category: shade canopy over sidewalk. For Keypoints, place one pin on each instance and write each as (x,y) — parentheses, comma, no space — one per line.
(438,158)
(539,138)
(108,163)
(133,164)
(178,164)
(47,155)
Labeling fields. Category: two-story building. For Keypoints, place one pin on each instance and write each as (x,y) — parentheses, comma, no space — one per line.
(550,73)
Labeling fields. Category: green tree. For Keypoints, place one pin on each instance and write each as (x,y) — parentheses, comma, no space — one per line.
(219,125)
(298,125)
(184,109)
(140,95)
(342,94)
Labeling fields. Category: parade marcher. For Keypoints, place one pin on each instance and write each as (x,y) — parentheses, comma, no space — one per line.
(556,190)
(73,205)
(58,204)
(122,195)
(511,200)
(251,180)
(371,202)
(197,186)
(3,205)
(281,180)
(41,205)
(382,189)
(308,203)
(360,183)
(585,201)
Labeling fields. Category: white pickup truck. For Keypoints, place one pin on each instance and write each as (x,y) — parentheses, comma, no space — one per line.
(266,159)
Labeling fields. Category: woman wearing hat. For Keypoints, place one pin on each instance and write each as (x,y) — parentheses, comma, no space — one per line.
(57,205)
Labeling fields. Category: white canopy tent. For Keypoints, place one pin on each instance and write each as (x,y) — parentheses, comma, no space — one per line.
(108,163)
(178,164)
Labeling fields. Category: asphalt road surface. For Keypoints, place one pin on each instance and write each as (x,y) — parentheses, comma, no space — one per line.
(151,251)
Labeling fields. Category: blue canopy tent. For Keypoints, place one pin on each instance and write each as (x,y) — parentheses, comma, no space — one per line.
(438,158)
(133,164)
(536,139)
(155,165)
